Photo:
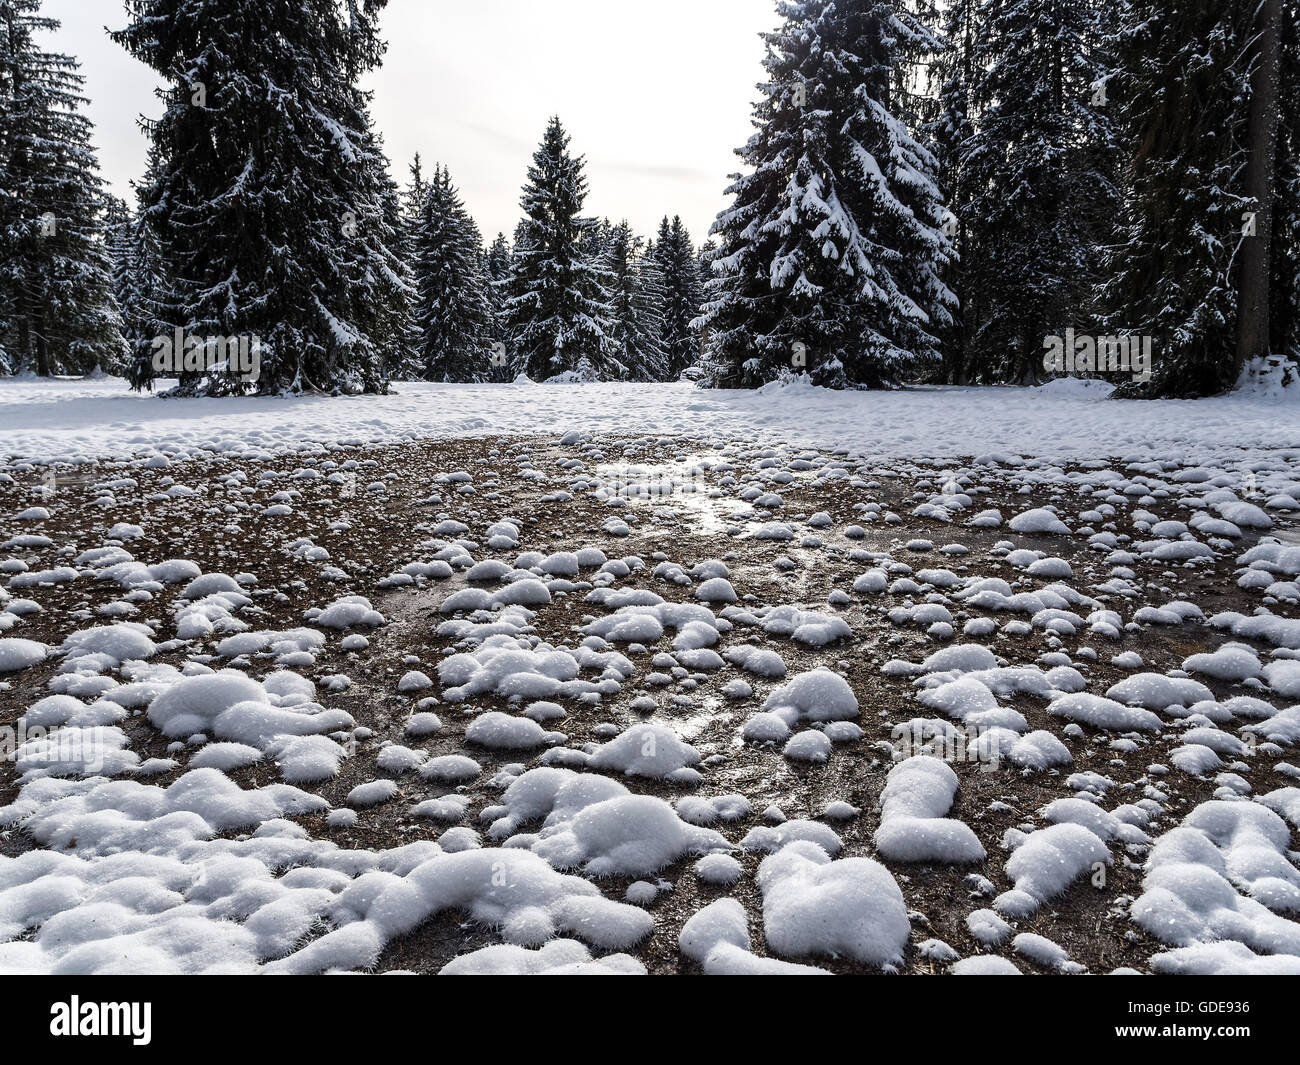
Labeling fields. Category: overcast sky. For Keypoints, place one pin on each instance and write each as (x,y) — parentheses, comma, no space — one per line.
(657,95)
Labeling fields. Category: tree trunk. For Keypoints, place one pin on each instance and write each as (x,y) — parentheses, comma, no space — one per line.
(1261,140)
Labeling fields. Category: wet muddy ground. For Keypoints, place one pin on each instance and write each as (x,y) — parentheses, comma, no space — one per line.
(680,503)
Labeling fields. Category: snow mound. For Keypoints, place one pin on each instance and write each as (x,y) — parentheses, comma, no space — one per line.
(1051,859)
(814,905)
(1039,520)
(18,654)
(594,823)
(1224,874)
(1102,713)
(917,794)
(718,938)
(648,750)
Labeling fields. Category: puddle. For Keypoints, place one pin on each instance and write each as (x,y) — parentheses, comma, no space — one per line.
(677,491)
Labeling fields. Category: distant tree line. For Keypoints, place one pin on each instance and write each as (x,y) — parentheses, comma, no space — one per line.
(931,191)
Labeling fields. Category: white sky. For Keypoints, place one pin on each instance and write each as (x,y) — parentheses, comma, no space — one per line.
(656,94)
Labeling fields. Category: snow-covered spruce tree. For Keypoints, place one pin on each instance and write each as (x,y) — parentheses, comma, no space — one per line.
(830,254)
(413,197)
(117,224)
(595,240)
(950,128)
(57,313)
(636,304)
(1036,180)
(679,268)
(1180,94)
(557,309)
(142,289)
(452,314)
(404,363)
(499,265)
(406,367)
(138,286)
(271,203)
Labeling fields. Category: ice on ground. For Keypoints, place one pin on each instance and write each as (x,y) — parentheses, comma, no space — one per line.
(819,695)
(510,890)
(985,965)
(1038,520)
(1155,691)
(500,666)
(771,838)
(988,928)
(351,611)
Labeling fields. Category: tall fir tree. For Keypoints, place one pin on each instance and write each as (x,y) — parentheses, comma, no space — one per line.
(142,287)
(557,309)
(137,284)
(830,255)
(413,197)
(1036,180)
(405,366)
(453,317)
(950,129)
(57,313)
(1181,93)
(636,306)
(499,266)
(679,269)
(270,201)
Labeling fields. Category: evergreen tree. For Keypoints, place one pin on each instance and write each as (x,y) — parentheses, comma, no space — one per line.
(413,197)
(408,367)
(1180,91)
(830,255)
(1035,179)
(452,314)
(57,313)
(595,241)
(636,306)
(142,289)
(1263,56)
(557,309)
(704,261)
(679,269)
(499,266)
(136,284)
(951,128)
(270,201)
